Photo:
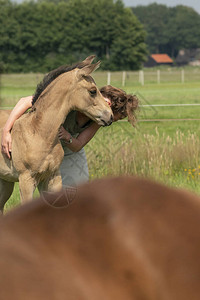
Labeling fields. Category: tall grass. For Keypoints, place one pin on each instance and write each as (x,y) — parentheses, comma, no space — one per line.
(173,160)
(115,151)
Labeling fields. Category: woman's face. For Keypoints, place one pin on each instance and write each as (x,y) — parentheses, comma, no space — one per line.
(117,115)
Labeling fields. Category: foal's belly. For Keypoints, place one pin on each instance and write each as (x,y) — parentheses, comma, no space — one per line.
(7,170)
(9,176)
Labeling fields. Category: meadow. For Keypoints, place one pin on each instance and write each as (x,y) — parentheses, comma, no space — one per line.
(164,145)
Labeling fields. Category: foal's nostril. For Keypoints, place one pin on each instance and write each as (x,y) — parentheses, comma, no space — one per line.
(110,122)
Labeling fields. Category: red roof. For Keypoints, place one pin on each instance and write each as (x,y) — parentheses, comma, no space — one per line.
(162,58)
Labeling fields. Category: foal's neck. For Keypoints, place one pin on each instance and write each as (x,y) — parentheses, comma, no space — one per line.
(50,111)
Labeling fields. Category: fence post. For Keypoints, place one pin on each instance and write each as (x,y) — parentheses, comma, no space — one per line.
(158,76)
(141,77)
(182,76)
(108,78)
(123,78)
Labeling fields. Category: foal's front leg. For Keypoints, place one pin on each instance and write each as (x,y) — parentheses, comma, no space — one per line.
(27,186)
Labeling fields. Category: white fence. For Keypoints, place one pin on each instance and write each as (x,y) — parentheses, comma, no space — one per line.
(143,77)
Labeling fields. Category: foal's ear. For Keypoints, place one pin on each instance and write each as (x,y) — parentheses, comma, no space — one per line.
(87,70)
(89,59)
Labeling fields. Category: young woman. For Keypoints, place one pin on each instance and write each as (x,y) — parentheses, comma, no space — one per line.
(76,132)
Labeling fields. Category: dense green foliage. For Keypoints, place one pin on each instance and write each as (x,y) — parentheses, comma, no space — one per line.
(41,35)
(169,29)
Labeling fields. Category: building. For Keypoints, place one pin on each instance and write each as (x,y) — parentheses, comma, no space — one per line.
(158,60)
(188,57)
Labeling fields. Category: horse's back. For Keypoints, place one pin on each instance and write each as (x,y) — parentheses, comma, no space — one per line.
(122,238)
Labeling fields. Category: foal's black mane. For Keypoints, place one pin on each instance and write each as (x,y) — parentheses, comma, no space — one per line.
(53,75)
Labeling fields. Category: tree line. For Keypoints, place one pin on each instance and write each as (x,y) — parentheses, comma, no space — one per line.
(169,29)
(42,35)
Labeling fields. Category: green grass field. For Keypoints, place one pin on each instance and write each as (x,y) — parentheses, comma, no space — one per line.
(168,151)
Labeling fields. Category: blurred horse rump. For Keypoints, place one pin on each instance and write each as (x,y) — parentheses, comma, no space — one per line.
(120,238)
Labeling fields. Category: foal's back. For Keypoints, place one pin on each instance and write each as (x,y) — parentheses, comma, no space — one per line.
(122,238)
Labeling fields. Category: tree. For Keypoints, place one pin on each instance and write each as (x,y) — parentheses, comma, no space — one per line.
(184,29)
(169,29)
(112,32)
(41,35)
(128,49)
(155,18)
(52,1)
(9,31)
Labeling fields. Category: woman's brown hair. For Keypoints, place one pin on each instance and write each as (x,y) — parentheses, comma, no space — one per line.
(122,103)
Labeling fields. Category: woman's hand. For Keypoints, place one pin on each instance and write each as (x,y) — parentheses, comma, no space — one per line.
(6,143)
(63,134)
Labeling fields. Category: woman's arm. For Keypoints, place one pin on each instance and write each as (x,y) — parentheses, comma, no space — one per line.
(84,137)
(18,110)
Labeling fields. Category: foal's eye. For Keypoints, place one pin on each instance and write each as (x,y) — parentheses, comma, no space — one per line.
(93,92)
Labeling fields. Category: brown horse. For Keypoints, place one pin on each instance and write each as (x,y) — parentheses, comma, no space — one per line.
(36,150)
(121,238)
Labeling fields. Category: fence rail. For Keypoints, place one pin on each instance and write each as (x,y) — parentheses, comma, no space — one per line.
(156,120)
(143,77)
(122,78)
(145,105)
(142,105)
(168,105)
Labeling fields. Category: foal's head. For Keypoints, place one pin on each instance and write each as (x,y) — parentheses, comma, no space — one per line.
(76,89)
(87,97)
